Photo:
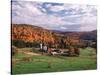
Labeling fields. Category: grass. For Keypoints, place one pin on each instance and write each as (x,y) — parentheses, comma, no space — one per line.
(39,64)
(30,49)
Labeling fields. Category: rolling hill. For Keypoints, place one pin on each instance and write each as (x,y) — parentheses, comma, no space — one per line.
(30,33)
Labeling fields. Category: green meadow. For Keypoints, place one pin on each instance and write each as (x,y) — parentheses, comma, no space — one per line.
(45,63)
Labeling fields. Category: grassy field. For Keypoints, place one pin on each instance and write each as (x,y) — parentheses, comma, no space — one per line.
(40,64)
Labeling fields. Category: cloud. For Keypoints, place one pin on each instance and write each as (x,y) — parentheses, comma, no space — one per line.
(63,28)
(55,16)
(56,8)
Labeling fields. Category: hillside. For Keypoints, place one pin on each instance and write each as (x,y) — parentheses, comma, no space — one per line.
(35,34)
(30,33)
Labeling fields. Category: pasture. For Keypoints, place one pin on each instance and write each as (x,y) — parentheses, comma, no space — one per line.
(44,63)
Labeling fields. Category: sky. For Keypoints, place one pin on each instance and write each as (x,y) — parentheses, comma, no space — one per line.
(55,16)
